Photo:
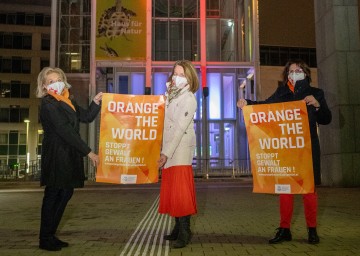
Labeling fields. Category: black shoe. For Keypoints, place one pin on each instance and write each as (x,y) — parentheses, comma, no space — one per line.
(283,234)
(170,237)
(174,233)
(60,243)
(313,237)
(49,245)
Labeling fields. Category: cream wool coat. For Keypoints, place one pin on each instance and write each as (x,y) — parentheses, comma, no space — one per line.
(179,139)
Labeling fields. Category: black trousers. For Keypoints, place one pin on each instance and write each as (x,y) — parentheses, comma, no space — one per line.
(53,207)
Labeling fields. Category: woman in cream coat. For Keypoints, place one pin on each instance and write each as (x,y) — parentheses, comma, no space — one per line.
(177,194)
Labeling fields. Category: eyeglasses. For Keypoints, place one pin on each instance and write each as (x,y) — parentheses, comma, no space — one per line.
(296,71)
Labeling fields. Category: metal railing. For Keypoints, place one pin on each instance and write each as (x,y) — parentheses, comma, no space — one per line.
(20,171)
(221,167)
(206,168)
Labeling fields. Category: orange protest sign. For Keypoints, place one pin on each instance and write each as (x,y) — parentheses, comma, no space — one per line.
(280,147)
(130,138)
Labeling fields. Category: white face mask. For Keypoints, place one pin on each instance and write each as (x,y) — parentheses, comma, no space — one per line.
(294,77)
(179,81)
(57,87)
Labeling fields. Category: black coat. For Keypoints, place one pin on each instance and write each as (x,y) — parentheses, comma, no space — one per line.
(320,116)
(62,163)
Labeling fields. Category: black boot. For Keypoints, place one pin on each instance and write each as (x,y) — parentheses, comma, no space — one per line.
(185,234)
(283,234)
(174,233)
(60,243)
(49,244)
(313,237)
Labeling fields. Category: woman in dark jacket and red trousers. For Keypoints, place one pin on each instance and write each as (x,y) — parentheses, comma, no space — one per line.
(296,86)
(62,167)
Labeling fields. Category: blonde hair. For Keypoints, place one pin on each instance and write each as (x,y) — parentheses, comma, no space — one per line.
(41,80)
(190,74)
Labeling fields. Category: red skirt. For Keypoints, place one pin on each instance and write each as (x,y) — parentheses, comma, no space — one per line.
(177,192)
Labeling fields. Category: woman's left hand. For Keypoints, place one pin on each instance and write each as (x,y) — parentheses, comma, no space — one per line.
(98,97)
(310,100)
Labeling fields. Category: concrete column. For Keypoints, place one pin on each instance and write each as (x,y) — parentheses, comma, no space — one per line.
(338,58)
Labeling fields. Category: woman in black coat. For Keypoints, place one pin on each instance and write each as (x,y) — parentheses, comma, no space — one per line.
(62,167)
(296,86)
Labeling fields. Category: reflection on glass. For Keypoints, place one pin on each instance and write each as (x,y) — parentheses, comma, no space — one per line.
(214,84)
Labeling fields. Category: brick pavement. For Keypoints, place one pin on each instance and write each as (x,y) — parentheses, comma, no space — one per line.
(101,219)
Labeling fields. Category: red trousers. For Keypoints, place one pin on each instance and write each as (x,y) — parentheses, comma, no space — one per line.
(287,207)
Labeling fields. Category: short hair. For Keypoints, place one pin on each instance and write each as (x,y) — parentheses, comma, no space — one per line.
(190,74)
(41,90)
(299,63)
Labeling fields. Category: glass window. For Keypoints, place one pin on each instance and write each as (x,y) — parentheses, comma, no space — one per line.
(5,89)
(191,41)
(25,91)
(161,46)
(4,138)
(13,149)
(4,149)
(2,18)
(123,85)
(214,144)
(160,8)
(191,8)
(15,89)
(213,39)
(8,40)
(227,41)
(159,83)
(39,19)
(1,39)
(45,42)
(11,18)
(229,96)
(176,40)
(44,63)
(214,84)
(4,115)
(138,83)
(20,18)
(13,137)
(29,19)
(16,65)
(17,41)
(26,66)
(229,140)
(22,138)
(228,9)
(47,20)
(27,41)
(212,8)
(274,56)
(175,8)
(6,65)
(22,149)
(14,115)
(24,114)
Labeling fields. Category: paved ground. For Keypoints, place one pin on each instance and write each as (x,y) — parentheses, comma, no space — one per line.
(122,220)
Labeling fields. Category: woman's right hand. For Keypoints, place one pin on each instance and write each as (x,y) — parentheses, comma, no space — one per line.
(162,160)
(241,103)
(94,158)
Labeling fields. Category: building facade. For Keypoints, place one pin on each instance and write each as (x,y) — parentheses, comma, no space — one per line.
(221,38)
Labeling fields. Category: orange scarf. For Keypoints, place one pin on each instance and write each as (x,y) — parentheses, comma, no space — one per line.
(291,86)
(64,97)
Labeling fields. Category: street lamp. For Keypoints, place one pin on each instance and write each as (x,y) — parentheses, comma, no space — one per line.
(27,121)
